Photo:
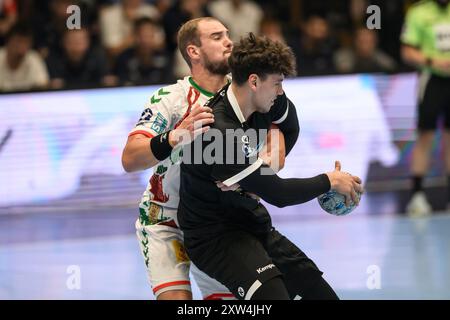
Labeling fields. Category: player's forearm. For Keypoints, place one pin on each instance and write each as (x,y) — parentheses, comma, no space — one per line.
(285,192)
(138,155)
(275,153)
(281,150)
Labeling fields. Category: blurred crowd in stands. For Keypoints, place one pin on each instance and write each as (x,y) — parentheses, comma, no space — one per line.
(133,42)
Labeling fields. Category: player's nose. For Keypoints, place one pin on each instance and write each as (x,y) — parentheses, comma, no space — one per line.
(280,91)
(228,43)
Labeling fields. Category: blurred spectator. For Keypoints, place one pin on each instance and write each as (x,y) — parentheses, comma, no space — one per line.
(314,47)
(80,64)
(51,25)
(272,29)
(179,13)
(116,23)
(145,63)
(21,68)
(180,67)
(8,16)
(240,16)
(365,56)
(392,18)
(162,6)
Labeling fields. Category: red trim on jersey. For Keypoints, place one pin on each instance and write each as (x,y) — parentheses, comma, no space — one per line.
(190,103)
(170,284)
(145,133)
(218,296)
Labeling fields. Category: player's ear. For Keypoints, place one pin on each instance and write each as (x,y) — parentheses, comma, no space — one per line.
(253,81)
(193,52)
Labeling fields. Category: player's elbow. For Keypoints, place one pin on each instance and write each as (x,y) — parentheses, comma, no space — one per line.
(279,203)
(127,162)
(126,165)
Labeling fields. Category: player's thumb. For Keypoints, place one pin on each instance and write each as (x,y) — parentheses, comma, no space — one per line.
(337,165)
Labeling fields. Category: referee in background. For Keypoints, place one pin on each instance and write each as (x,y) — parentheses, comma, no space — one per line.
(426,45)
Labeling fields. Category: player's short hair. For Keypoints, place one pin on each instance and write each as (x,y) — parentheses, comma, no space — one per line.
(261,56)
(188,34)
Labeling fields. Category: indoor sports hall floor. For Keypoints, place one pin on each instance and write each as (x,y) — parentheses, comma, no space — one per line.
(370,254)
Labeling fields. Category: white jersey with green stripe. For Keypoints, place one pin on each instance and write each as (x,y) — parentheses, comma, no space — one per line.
(164,111)
(427,27)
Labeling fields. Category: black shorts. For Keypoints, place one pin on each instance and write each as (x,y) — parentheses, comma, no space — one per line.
(434,103)
(242,262)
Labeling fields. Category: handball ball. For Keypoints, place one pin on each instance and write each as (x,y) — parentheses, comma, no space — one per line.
(334,203)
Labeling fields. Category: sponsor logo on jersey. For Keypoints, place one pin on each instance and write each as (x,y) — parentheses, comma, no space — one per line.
(248,150)
(268,267)
(160,124)
(145,117)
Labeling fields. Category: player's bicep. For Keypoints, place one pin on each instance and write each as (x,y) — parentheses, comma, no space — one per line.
(289,125)
(279,111)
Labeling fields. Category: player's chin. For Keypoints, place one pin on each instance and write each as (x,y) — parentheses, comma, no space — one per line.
(270,105)
(265,110)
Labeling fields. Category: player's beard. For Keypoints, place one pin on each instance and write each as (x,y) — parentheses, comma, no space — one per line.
(220,68)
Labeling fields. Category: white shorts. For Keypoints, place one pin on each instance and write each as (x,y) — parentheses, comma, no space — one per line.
(168,264)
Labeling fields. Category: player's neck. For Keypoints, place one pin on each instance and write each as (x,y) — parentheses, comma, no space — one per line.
(209,82)
(243,99)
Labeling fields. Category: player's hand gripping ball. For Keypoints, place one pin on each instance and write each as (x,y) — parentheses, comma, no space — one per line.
(334,203)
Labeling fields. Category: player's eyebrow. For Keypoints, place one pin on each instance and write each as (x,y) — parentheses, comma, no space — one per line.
(218,33)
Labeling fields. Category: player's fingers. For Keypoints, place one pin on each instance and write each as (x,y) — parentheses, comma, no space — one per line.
(225,188)
(222,187)
(235,186)
(195,106)
(198,109)
(348,200)
(358,187)
(356,179)
(201,130)
(202,115)
(355,197)
(201,123)
(337,165)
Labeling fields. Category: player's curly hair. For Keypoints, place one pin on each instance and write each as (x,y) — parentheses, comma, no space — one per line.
(261,56)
